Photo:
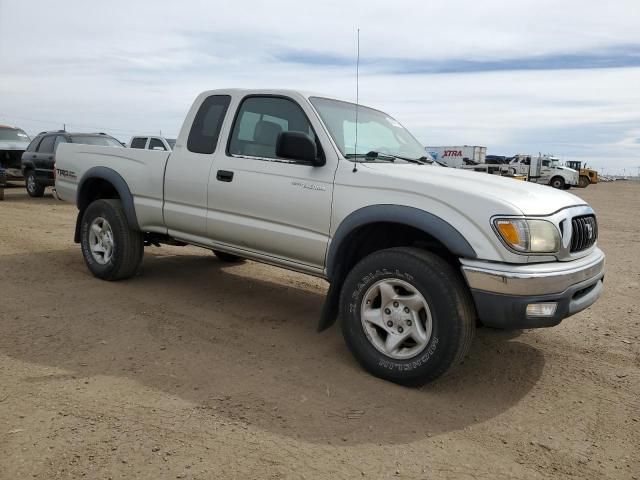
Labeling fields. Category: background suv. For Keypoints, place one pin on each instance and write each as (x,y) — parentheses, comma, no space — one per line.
(39,158)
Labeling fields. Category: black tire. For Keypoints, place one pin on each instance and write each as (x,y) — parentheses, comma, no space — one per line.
(448,299)
(128,245)
(583,181)
(34,189)
(557,182)
(227,257)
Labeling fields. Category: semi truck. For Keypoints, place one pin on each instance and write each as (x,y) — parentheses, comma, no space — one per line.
(458,156)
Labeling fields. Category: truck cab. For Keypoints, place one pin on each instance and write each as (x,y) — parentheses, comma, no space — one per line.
(543,169)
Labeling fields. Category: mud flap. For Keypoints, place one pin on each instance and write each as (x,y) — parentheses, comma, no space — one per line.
(330,308)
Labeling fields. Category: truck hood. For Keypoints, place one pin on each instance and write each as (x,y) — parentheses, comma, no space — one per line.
(13,145)
(443,182)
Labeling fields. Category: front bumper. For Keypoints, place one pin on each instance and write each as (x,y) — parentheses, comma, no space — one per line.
(502,291)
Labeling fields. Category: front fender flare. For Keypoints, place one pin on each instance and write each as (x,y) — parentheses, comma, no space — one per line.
(413,217)
(435,226)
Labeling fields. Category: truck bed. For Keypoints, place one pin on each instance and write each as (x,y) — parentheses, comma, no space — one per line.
(145,176)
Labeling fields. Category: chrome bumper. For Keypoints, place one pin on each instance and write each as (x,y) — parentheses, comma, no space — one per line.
(502,292)
(533,279)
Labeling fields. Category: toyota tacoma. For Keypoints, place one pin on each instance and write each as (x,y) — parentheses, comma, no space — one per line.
(416,255)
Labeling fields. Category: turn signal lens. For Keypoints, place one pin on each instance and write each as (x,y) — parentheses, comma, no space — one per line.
(509,232)
(529,235)
(515,232)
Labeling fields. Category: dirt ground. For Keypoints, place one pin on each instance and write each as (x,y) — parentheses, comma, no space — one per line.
(199,370)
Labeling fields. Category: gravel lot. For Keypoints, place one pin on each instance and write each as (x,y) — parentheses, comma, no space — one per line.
(195,369)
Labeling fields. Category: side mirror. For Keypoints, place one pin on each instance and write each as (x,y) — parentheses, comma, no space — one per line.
(298,146)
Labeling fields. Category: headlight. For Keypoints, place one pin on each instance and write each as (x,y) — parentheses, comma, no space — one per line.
(528,236)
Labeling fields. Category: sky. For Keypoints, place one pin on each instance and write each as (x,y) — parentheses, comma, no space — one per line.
(559,77)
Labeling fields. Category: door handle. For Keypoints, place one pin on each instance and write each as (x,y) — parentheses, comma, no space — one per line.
(224,176)
(50,158)
(33,156)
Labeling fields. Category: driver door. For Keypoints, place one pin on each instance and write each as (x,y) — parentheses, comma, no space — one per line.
(261,203)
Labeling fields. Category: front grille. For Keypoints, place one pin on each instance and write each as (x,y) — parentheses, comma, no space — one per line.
(584,232)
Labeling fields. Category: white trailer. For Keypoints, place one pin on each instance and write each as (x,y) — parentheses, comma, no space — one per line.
(458,156)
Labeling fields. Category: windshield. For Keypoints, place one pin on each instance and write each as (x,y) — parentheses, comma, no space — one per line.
(377,131)
(13,135)
(101,140)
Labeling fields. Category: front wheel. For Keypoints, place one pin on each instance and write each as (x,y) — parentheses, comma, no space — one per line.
(34,189)
(111,250)
(557,182)
(584,181)
(406,315)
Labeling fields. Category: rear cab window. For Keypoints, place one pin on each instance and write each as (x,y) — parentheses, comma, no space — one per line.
(207,124)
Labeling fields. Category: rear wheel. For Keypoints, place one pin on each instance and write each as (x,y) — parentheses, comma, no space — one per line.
(227,257)
(111,250)
(406,315)
(557,182)
(34,189)
(584,181)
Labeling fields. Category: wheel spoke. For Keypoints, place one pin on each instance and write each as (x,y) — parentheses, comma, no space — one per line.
(387,293)
(415,302)
(96,229)
(98,248)
(418,333)
(374,317)
(394,341)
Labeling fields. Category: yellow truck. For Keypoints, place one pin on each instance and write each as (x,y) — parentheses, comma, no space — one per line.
(587,175)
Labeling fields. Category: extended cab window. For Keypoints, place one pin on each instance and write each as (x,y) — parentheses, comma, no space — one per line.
(47,144)
(139,142)
(259,122)
(207,124)
(154,142)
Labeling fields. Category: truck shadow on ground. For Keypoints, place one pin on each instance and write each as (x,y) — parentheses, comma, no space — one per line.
(239,342)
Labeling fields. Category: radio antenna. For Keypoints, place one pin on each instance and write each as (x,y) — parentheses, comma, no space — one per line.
(355,147)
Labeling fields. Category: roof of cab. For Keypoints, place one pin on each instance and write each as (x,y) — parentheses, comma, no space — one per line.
(268,91)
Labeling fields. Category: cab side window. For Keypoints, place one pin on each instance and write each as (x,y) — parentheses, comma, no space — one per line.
(259,122)
(139,142)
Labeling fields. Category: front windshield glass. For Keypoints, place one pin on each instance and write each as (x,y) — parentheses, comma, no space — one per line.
(13,135)
(377,131)
(101,140)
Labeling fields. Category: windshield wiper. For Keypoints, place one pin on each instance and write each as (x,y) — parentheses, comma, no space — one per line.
(419,161)
(371,156)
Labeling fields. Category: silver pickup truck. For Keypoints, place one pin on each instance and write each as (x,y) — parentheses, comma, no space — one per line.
(416,255)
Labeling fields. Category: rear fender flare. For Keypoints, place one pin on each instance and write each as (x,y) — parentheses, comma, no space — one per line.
(83,198)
